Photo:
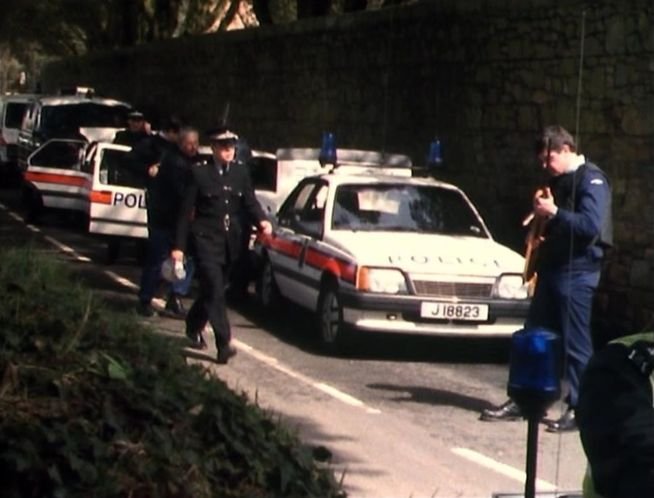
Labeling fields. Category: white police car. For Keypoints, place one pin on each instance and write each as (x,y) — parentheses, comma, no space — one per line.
(374,249)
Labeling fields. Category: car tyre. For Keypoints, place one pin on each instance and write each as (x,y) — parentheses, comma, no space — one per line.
(112,251)
(334,333)
(32,205)
(266,288)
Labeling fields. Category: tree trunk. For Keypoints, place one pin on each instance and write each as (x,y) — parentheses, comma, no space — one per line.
(229,15)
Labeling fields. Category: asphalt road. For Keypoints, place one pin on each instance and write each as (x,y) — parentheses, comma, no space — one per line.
(399,415)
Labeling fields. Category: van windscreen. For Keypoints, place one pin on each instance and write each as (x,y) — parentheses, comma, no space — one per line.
(73,116)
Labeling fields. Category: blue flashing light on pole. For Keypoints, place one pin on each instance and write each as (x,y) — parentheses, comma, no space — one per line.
(534,385)
(434,156)
(534,370)
(328,149)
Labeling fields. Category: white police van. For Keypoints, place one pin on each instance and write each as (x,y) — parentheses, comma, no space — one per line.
(90,179)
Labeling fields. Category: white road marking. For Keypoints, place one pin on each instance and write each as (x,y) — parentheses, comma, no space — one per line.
(321,386)
(67,249)
(121,280)
(501,468)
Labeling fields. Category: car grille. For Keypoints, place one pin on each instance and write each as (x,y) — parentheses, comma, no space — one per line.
(452,289)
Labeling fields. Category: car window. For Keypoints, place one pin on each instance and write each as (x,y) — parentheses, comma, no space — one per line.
(403,207)
(73,116)
(14,114)
(313,209)
(305,203)
(295,202)
(59,154)
(114,170)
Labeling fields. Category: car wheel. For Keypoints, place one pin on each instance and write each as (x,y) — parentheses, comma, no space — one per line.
(333,331)
(32,205)
(266,287)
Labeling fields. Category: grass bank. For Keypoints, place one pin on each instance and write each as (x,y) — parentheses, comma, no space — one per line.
(92,403)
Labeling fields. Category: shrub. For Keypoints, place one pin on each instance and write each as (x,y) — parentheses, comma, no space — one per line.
(92,403)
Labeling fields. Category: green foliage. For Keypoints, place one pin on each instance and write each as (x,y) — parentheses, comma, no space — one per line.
(95,404)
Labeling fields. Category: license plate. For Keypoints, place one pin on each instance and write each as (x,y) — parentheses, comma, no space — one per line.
(455,311)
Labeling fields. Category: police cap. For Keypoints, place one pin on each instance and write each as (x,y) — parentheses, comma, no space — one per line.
(135,115)
(222,136)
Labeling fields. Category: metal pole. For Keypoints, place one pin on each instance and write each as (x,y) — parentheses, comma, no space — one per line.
(532,456)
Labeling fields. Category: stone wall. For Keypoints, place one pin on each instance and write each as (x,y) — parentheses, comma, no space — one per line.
(483,75)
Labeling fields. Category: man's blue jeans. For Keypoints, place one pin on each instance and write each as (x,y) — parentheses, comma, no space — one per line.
(159,245)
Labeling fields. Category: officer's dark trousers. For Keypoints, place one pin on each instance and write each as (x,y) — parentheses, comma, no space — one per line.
(210,303)
(562,302)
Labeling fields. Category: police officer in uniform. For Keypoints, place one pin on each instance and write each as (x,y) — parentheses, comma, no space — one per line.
(577,233)
(137,129)
(216,195)
(615,415)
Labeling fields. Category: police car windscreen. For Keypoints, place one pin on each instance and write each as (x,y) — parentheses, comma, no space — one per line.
(14,114)
(404,208)
(74,116)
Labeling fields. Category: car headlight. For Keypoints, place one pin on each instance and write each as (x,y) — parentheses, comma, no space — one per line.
(511,287)
(382,280)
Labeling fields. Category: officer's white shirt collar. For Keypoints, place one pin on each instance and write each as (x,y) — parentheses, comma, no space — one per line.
(579,160)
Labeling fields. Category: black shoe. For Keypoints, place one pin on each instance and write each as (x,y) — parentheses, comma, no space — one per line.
(567,423)
(175,307)
(145,309)
(506,411)
(197,341)
(225,353)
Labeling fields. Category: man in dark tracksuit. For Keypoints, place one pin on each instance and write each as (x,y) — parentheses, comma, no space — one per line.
(147,153)
(143,161)
(164,197)
(578,230)
(616,419)
(216,196)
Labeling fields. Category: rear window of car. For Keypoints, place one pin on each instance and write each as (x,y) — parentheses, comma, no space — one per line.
(73,116)
(115,170)
(14,114)
(404,208)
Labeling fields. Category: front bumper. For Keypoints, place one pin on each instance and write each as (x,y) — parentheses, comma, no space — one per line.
(401,314)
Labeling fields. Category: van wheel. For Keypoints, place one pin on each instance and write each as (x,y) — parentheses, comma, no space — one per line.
(32,204)
(266,288)
(112,252)
(141,251)
(80,220)
(334,332)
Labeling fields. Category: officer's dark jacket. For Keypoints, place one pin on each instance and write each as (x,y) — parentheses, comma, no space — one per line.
(615,415)
(129,137)
(212,208)
(166,190)
(582,228)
